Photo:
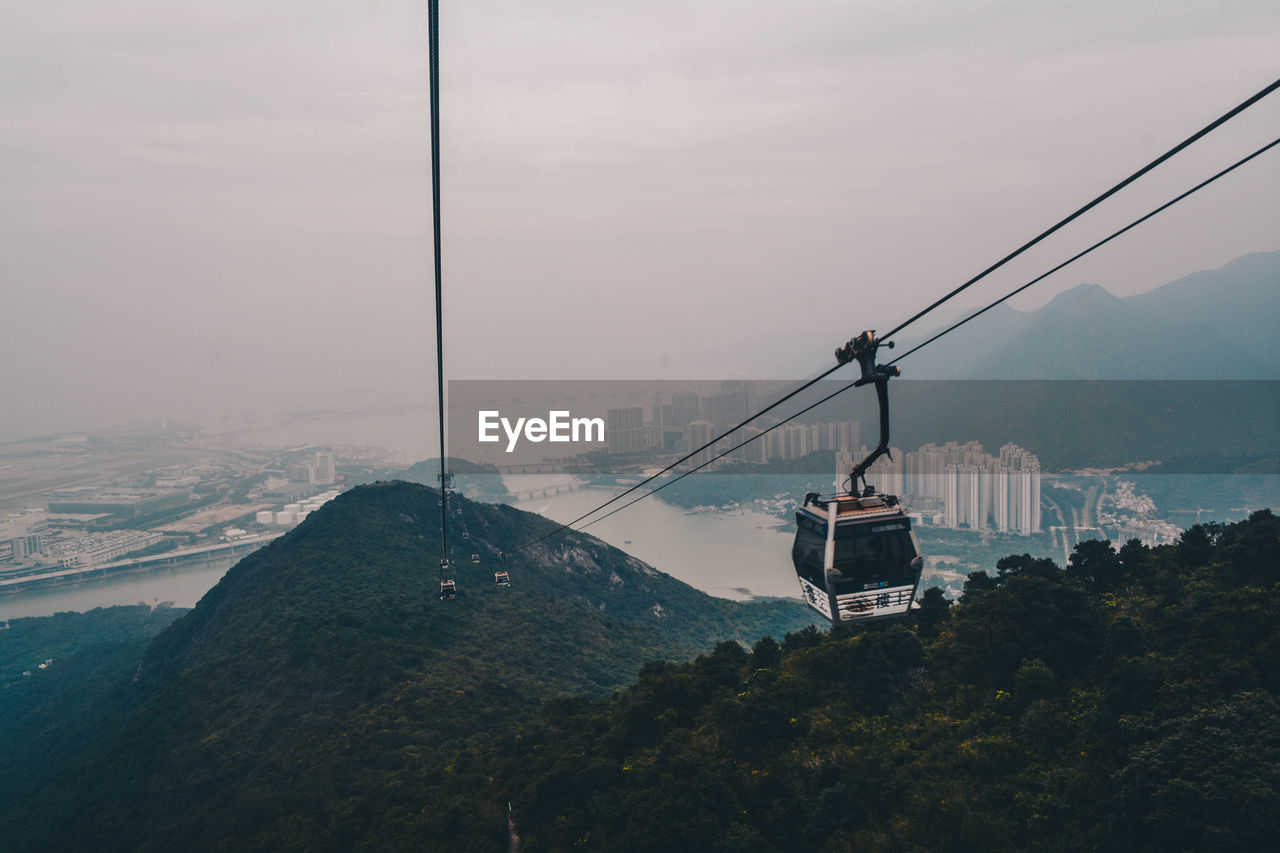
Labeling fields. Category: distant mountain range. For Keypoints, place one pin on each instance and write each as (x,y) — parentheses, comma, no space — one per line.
(1094,380)
(1216,324)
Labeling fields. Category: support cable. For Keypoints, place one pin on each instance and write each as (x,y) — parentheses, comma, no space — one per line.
(687,456)
(720,456)
(844,388)
(883,338)
(433,31)
(1096,245)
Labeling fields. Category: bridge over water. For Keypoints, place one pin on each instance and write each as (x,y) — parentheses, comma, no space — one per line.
(546,491)
(534,468)
(57,576)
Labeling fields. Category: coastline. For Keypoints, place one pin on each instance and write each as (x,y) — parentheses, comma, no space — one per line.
(137,566)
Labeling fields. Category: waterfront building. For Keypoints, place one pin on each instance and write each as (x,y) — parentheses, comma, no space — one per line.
(850,435)
(696,434)
(686,407)
(887,473)
(974,489)
(325,474)
(625,429)
(789,442)
(725,409)
(756,451)
(22,534)
(96,548)
(301,472)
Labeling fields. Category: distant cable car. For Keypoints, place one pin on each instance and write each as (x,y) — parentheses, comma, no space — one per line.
(855,556)
(475,558)
(448,589)
(502,580)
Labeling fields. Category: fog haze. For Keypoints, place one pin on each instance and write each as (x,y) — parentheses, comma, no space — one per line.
(224,208)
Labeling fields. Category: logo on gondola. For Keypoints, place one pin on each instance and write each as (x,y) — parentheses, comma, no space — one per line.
(815,598)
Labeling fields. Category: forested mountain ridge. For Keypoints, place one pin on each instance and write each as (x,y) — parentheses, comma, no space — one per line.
(316,695)
(61,678)
(1126,703)
(322,697)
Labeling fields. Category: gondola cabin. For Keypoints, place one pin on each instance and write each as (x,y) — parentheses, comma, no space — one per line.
(448,589)
(502,580)
(856,557)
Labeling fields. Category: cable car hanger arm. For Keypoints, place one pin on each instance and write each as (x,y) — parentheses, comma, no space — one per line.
(863,349)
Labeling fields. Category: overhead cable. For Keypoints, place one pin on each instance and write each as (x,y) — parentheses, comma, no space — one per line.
(844,388)
(433,35)
(1153,164)
(1096,245)
(687,456)
(723,454)
(1106,195)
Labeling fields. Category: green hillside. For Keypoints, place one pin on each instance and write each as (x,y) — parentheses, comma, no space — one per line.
(318,694)
(61,708)
(321,697)
(1127,703)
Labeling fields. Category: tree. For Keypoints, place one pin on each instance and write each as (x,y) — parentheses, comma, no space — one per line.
(934,611)
(1196,546)
(1096,563)
(976,583)
(806,638)
(1210,782)
(765,653)
(1027,617)
(1249,549)
(1134,558)
(1025,564)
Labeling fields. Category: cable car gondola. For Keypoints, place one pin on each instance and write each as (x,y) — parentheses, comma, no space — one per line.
(448,589)
(855,556)
(502,580)
(475,559)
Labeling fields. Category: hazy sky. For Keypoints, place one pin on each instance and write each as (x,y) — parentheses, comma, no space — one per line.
(223,206)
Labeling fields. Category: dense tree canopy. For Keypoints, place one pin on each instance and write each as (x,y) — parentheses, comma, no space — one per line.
(322,698)
(1127,703)
(322,693)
